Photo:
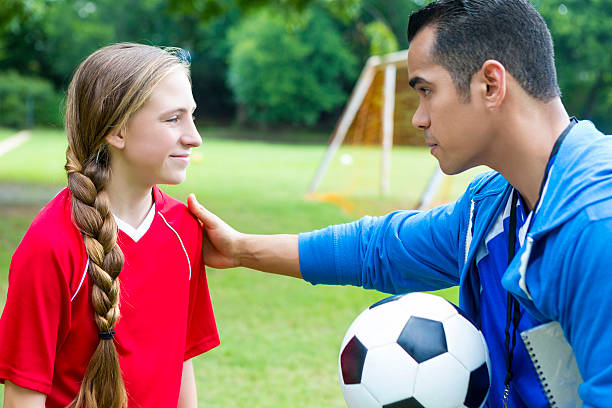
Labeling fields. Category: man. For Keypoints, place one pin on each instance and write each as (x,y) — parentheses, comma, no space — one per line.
(484,72)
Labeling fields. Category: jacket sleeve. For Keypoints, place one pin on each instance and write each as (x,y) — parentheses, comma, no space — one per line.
(401,252)
(579,295)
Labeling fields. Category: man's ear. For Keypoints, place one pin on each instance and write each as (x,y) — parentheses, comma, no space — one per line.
(116,138)
(493,77)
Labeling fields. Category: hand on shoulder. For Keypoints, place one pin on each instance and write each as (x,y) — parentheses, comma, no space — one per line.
(220,241)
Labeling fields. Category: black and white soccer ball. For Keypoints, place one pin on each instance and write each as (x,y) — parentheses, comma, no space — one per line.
(414,350)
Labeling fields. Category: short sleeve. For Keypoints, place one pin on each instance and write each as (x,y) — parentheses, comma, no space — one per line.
(202,334)
(35,318)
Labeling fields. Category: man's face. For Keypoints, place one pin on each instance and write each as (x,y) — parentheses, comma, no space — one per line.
(455,130)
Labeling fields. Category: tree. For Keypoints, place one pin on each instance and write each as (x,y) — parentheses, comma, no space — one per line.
(382,40)
(51,41)
(12,12)
(582,32)
(289,71)
(206,10)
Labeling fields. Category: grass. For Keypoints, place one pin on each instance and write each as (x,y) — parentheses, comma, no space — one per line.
(6,132)
(280,336)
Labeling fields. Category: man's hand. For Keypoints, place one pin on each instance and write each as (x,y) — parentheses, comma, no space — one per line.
(224,247)
(220,240)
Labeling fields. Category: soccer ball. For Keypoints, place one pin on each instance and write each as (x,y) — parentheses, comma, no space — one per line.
(414,350)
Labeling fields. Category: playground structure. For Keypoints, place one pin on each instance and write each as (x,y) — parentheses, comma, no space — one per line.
(379,111)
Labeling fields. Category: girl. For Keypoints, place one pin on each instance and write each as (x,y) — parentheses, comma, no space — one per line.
(62,341)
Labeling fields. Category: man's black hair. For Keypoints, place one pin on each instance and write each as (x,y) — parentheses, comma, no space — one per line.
(469,32)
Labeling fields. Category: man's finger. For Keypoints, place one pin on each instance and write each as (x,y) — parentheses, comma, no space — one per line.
(199,211)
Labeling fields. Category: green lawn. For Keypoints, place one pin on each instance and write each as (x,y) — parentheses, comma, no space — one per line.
(280,337)
(6,132)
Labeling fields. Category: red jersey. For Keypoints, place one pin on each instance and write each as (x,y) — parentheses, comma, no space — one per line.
(47,329)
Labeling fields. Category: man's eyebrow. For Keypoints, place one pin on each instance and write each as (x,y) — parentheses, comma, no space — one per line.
(417,80)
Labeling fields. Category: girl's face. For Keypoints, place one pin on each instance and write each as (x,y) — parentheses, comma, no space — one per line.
(156,144)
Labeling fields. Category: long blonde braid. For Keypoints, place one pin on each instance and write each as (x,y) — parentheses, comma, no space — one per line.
(107,88)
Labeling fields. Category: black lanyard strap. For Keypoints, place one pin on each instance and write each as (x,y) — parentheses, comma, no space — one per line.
(553,153)
(513,312)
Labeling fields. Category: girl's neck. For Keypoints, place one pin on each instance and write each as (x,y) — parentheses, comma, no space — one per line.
(129,202)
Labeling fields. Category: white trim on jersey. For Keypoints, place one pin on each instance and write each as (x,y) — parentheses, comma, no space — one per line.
(497,229)
(468,235)
(136,233)
(180,241)
(82,280)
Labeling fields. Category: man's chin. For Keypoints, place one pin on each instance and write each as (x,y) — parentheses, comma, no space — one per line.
(451,169)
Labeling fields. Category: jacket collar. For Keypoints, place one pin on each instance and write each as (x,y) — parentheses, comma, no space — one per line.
(575,182)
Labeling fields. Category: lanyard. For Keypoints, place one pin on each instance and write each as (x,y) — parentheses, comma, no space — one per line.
(513,313)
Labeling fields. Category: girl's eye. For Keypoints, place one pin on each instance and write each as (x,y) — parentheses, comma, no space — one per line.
(173,119)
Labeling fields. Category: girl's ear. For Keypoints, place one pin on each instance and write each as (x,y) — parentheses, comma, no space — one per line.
(116,138)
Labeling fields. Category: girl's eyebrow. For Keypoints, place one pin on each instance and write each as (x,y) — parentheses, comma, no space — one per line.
(176,110)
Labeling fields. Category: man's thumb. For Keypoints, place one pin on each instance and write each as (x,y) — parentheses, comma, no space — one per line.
(198,210)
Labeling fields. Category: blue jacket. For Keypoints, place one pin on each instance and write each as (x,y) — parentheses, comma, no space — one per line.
(563,272)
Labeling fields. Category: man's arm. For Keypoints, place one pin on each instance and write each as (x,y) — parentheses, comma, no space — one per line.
(19,397)
(400,252)
(572,284)
(224,247)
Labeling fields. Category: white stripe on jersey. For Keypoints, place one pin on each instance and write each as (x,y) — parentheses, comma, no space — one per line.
(180,241)
(82,280)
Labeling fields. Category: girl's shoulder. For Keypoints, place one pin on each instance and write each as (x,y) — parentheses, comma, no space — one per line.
(52,242)
(175,213)
(53,226)
(177,218)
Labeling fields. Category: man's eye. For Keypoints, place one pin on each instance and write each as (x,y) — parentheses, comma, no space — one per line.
(425,91)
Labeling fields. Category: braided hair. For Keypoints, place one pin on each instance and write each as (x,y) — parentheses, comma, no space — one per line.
(107,88)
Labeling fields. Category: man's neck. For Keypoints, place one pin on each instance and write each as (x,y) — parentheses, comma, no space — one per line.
(529,139)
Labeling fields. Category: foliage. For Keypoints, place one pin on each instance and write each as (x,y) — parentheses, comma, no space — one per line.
(283,72)
(393,13)
(11,13)
(27,101)
(55,42)
(582,32)
(382,40)
(15,10)
(49,38)
(206,10)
